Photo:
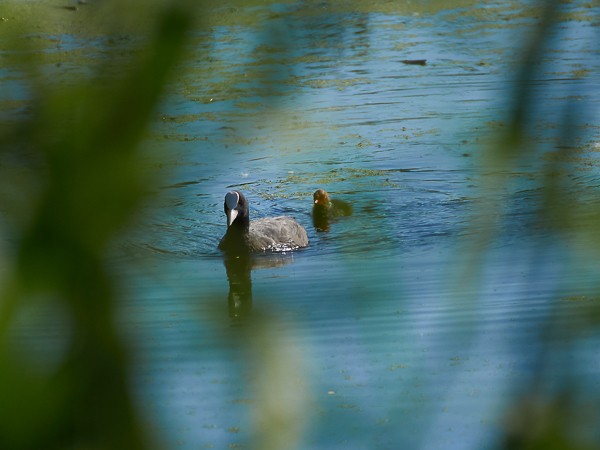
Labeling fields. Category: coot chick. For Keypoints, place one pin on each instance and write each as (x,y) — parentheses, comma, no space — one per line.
(325,209)
(277,234)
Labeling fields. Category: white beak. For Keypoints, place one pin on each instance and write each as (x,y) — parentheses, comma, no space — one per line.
(231,215)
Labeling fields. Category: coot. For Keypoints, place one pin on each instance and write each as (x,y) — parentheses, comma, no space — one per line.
(325,209)
(277,234)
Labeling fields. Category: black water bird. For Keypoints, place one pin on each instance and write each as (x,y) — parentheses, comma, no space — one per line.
(326,209)
(278,234)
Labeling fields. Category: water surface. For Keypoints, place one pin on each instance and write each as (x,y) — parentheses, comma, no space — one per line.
(417,320)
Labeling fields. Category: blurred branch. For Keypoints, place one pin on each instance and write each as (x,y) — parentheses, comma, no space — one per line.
(523,100)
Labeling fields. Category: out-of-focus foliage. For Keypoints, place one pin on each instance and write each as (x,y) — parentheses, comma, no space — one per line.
(561,209)
(546,416)
(71,180)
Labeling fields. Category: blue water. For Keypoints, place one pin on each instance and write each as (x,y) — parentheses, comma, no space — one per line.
(415,322)
(418,320)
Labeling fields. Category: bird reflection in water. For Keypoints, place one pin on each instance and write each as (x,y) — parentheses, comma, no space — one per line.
(238,266)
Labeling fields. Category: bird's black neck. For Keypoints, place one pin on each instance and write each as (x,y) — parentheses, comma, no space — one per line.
(240,224)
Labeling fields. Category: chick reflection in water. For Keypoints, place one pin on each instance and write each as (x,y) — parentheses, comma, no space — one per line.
(326,210)
(244,238)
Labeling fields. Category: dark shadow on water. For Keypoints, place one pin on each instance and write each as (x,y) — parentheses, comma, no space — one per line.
(239,265)
(239,276)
